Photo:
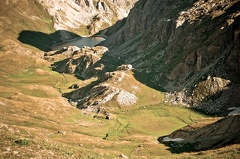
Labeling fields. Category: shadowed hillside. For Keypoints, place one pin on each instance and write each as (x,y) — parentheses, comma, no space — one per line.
(191,138)
(44,41)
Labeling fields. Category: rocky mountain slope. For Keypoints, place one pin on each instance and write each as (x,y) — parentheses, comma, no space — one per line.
(120,116)
(93,15)
(177,44)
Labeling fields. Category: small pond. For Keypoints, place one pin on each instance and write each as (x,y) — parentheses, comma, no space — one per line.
(80,42)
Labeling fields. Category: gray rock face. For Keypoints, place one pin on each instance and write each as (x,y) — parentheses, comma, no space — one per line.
(93,13)
(205,93)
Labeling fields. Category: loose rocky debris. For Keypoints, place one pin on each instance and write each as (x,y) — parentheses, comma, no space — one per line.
(126,98)
(212,96)
(234,111)
(203,8)
(210,88)
(91,98)
(219,134)
(176,97)
(125,67)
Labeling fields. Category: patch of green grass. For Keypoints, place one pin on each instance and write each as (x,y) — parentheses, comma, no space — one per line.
(1,47)
(22,142)
(29,82)
(157,120)
(151,121)
(82,31)
(161,119)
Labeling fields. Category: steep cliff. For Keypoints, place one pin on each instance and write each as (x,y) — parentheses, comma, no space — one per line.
(89,16)
(177,44)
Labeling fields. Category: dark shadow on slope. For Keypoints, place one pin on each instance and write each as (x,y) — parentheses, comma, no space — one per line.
(112,29)
(110,64)
(222,133)
(45,41)
(84,94)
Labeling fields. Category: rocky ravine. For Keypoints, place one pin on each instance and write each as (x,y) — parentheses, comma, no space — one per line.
(177,44)
(94,14)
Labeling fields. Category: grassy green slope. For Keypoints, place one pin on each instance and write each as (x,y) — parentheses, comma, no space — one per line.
(23,15)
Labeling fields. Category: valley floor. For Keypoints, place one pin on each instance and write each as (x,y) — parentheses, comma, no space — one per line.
(37,122)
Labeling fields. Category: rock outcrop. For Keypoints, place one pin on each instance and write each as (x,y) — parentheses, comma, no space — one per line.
(82,62)
(213,96)
(95,14)
(86,63)
(178,44)
(106,89)
(221,133)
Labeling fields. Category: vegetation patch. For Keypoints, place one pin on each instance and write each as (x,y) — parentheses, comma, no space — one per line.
(1,48)
(22,142)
